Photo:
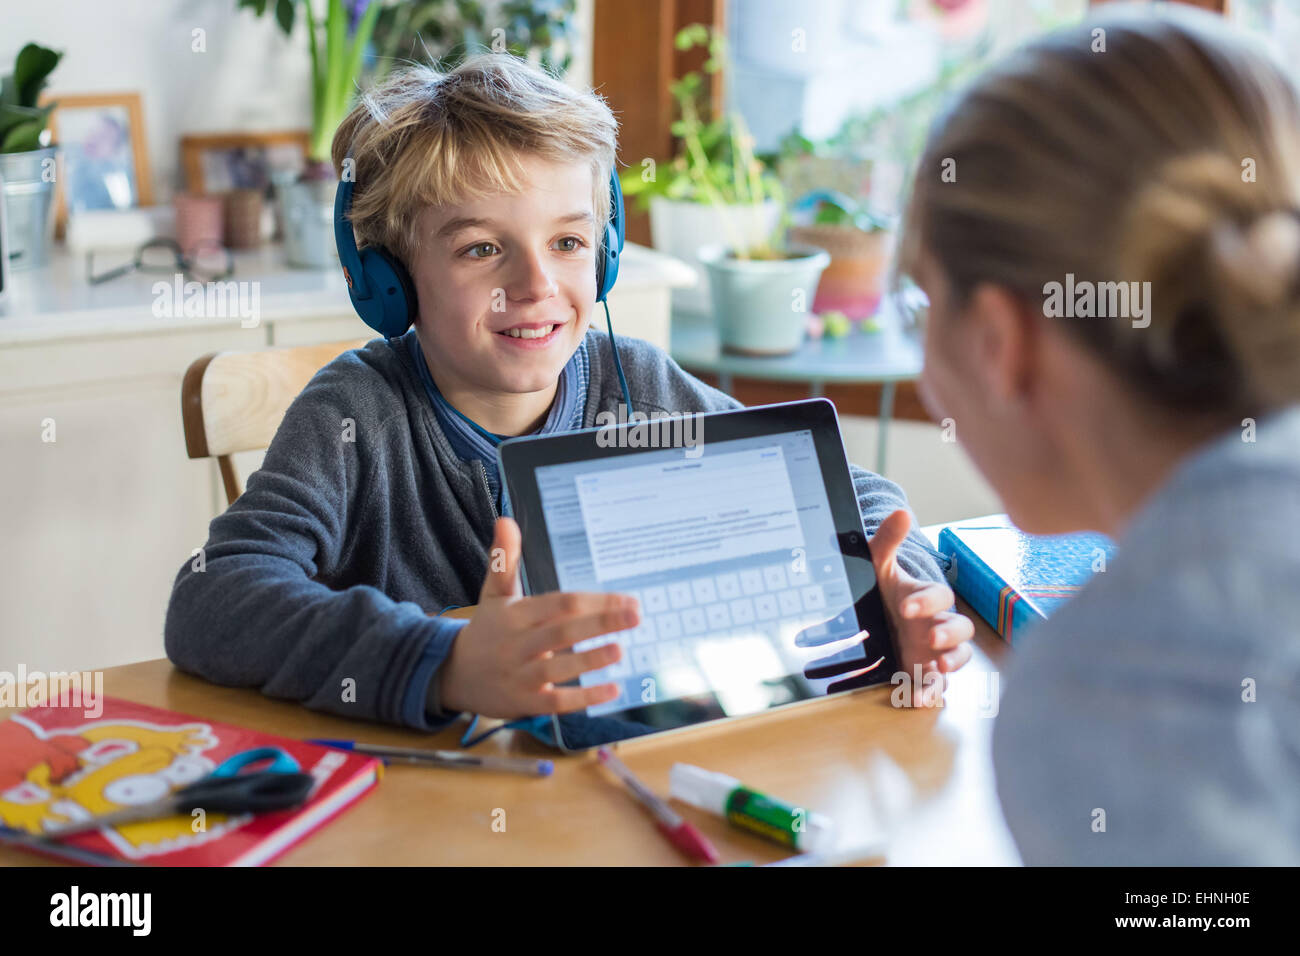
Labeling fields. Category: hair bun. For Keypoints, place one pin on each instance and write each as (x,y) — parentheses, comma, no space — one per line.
(1262,260)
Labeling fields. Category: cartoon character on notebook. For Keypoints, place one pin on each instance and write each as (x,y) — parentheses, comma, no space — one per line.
(50,777)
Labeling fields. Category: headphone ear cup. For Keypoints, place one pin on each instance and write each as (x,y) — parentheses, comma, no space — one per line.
(607,263)
(411,300)
(612,246)
(393,305)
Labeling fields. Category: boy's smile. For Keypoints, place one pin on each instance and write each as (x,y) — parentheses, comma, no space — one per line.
(506,284)
(535,335)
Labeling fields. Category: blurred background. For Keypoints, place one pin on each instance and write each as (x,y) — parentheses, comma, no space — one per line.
(759,126)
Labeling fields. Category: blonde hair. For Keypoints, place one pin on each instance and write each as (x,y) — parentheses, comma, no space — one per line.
(428,138)
(1173,156)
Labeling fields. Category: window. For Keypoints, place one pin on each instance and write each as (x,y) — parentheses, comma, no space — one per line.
(840,93)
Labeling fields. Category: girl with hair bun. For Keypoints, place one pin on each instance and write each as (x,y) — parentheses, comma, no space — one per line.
(1107,225)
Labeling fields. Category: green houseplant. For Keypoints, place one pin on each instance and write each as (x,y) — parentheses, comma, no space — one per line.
(336,44)
(358,41)
(713,188)
(715,165)
(27,160)
(368,37)
(446,31)
(759,287)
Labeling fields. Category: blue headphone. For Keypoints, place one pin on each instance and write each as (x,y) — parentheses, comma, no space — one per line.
(381,290)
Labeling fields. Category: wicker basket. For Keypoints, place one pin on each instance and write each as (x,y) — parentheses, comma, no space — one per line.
(855,279)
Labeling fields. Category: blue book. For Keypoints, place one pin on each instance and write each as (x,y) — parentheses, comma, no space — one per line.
(1013,579)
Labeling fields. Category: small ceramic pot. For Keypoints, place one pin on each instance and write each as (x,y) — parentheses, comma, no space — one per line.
(761,305)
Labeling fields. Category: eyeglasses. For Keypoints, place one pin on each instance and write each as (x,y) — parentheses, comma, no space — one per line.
(206,261)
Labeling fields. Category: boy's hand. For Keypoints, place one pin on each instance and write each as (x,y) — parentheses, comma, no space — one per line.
(504,662)
(927,632)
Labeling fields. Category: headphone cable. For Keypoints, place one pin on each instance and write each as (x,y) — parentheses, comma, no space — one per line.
(618,366)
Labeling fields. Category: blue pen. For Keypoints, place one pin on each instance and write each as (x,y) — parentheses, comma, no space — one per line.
(444,758)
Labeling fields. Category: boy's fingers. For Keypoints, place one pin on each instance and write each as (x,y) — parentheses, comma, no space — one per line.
(502,579)
(950,630)
(567,631)
(927,601)
(562,605)
(955,659)
(558,668)
(884,544)
(564,700)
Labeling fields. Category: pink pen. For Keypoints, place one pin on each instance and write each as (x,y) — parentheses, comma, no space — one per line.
(679,833)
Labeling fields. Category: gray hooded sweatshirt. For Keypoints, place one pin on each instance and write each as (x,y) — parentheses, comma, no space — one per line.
(319,582)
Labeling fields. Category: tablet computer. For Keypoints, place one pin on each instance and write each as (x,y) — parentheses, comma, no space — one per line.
(739,534)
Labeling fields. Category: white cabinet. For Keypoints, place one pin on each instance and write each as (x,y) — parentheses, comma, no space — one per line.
(96,522)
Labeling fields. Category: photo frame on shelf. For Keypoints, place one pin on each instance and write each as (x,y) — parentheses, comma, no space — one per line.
(219,162)
(104,158)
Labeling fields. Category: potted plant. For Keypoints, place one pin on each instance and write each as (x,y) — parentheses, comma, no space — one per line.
(336,46)
(27,158)
(697,197)
(759,288)
(761,292)
(860,245)
(443,30)
(446,31)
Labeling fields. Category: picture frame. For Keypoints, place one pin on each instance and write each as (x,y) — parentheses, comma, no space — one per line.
(104,157)
(218,162)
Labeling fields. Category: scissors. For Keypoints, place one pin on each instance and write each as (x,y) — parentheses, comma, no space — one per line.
(278,786)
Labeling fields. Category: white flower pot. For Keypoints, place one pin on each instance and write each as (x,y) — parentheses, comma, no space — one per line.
(681,228)
(307,209)
(761,306)
(28,184)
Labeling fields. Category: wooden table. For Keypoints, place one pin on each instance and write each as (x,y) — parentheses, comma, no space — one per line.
(922,775)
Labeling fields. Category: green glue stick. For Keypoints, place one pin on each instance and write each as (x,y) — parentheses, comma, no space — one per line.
(750,810)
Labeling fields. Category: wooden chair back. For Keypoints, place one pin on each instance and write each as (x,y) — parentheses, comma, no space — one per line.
(234,401)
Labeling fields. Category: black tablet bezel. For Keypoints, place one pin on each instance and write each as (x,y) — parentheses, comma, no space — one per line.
(518,459)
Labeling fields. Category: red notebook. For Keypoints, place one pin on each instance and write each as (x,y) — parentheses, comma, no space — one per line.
(57,765)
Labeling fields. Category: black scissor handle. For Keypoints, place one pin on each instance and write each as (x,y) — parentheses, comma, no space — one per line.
(245,793)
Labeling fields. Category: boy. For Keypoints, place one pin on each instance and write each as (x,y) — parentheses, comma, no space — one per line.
(377,504)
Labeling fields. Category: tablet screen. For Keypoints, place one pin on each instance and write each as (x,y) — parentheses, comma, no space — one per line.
(750,596)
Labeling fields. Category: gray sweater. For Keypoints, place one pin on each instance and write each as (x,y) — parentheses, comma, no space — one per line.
(319,581)
(1166,695)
